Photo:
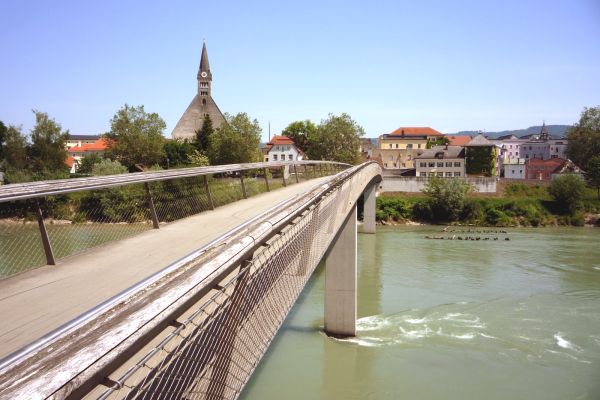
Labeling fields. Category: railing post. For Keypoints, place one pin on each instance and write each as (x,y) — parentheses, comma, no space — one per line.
(211,205)
(340,281)
(267,180)
(296,173)
(283,175)
(305,172)
(44,234)
(243,186)
(150,202)
(321,169)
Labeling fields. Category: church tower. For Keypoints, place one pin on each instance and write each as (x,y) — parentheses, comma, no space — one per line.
(202,104)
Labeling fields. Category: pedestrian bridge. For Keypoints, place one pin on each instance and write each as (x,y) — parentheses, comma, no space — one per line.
(170,284)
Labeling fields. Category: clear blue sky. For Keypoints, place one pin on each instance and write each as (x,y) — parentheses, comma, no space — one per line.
(451,65)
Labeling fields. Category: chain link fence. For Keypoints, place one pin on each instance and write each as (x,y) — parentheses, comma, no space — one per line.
(41,230)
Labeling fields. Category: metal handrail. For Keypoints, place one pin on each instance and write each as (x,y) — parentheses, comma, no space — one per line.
(217,261)
(28,190)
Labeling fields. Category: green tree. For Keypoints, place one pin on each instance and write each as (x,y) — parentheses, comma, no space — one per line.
(235,142)
(567,191)
(337,139)
(302,133)
(48,152)
(584,138)
(198,159)
(438,141)
(108,167)
(204,134)
(87,163)
(15,162)
(592,173)
(3,130)
(178,152)
(447,197)
(136,137)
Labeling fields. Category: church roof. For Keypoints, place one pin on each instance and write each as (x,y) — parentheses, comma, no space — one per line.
(204,65)
(193,117)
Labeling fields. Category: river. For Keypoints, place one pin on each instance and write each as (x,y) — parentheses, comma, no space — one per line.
(450,319)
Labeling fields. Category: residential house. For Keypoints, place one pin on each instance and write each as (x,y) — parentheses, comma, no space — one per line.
(443,161)
(282,148)
(397,150)
(77,152)
(514,168)
(544,147)
(79,140)
(536,168)
(481,157)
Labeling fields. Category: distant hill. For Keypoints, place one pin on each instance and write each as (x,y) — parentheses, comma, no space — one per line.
(553,130)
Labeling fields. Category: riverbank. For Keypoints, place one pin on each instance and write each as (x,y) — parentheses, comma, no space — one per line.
(518,205)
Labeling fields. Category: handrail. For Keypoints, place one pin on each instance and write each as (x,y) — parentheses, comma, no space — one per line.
(28,190)
(177,284)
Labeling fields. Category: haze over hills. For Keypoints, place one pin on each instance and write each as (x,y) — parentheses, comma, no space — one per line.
(553,130)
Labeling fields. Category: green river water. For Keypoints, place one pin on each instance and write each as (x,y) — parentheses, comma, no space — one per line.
(449,319)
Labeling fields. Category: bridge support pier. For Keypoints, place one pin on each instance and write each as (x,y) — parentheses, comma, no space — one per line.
(340,281)
(369,197)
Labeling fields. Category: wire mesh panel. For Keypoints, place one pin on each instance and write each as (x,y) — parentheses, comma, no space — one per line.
(211,351)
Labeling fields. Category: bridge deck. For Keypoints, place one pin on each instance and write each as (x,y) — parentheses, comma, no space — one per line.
(36,302)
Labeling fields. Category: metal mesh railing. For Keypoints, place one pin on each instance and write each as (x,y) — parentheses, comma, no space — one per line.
(200,330)
(41,230)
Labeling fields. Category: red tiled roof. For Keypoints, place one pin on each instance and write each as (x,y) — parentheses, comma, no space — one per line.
(416,131)
(98,145)
(459,140)
(552,162)
(280,140)
(70,161)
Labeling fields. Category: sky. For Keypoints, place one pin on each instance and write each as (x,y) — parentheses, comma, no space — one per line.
(451,65)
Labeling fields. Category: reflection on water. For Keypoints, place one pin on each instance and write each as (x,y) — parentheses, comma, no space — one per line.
(451,320)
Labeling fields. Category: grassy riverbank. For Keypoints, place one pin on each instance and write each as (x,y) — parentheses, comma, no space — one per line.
(517,205)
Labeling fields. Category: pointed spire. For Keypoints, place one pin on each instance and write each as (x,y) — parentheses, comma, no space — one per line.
(544,132)
(204,65)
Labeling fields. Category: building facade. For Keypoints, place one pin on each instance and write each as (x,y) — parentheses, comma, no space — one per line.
(441,161)
(544,147)
(202,105)
(397,150)
(85,148)
(536,168)
(481,157)
(282,148)
(79,140)
(514,168)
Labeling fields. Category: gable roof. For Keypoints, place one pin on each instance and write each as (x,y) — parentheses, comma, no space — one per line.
(99,145)
(479,141)
(415,131)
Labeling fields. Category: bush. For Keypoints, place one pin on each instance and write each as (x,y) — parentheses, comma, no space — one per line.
(393,208)
(447,198)
(567,191)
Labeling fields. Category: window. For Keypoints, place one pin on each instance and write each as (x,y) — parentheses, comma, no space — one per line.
(409,146)
(385,165)
(513,172)
(457,164)
(422,164)
(203,93)
(409,157)
(431,174)
(404,164)
(448,164)
(274,157)
(440,164)
(448,174)
(440,174)
(419,145)
(390,145)
(431,165)
(457,174)
(423,173)
(290,157)
(395,165)
(396,145)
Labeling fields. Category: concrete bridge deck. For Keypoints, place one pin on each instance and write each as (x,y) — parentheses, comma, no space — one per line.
(36,302)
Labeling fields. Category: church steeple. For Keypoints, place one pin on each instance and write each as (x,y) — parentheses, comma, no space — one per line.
(544,132)
(204,74)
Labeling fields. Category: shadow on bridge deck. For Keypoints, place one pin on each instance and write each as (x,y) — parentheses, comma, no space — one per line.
(36,302)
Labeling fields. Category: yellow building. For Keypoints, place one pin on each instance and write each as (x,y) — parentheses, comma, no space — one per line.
(398,149)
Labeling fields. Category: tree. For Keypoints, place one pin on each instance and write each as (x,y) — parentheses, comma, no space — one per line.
(87,163)
(204,134)
(438,141)
(447,197)
(47,152)
(14,149)
(302,133)
(108,167)
(337,139)
(236,141)
(136,137)
(3,130)
(592,173)
(178,152)
(567,191)
(584,138)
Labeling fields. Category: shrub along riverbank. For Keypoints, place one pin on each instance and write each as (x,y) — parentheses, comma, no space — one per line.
(520,205)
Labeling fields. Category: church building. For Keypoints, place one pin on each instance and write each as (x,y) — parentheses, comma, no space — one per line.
(202,105)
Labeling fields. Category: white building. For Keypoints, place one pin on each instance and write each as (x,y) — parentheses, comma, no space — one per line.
(441,161)
(514,168)
(282,148)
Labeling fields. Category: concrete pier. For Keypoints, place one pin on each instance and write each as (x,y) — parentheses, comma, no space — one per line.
(340,281)
(369,197)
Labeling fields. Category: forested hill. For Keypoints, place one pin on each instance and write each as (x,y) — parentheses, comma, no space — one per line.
(553,130)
